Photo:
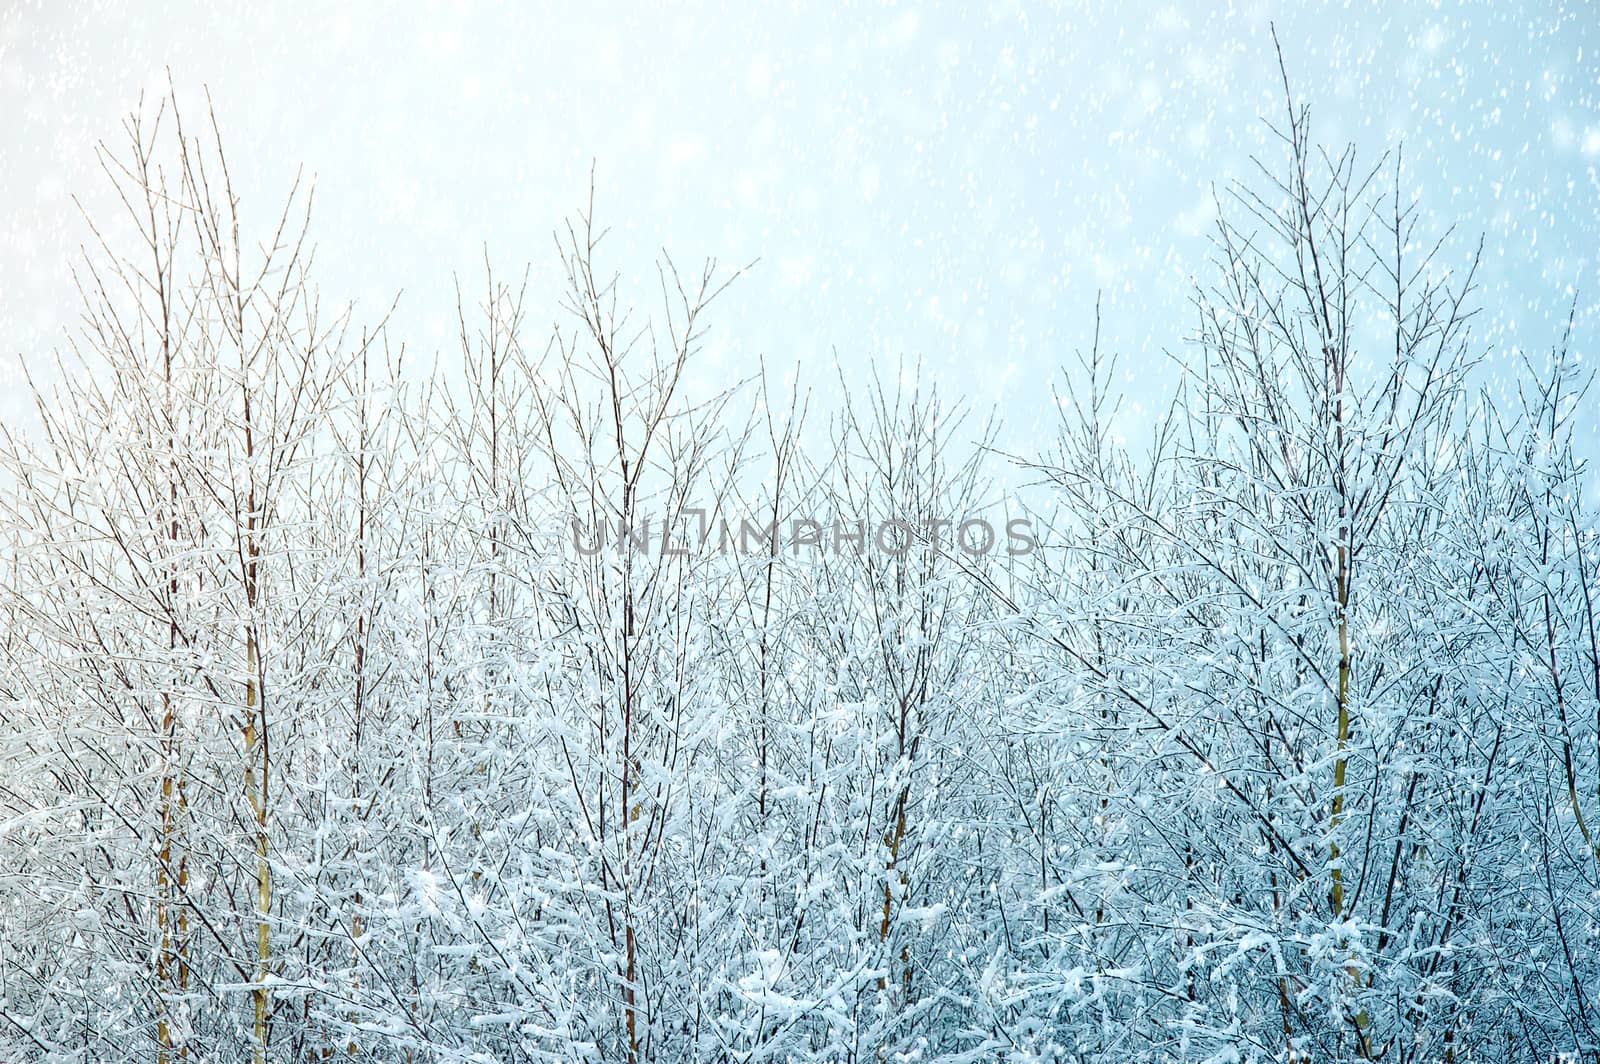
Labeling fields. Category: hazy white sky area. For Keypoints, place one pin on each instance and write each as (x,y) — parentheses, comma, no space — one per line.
(952,184)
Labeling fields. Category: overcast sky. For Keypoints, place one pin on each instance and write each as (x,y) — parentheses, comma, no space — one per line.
(952,184)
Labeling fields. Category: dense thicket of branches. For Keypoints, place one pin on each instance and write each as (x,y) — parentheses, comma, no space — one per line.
(326,733)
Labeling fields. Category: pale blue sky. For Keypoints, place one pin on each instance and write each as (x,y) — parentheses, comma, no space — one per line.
(952,183)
